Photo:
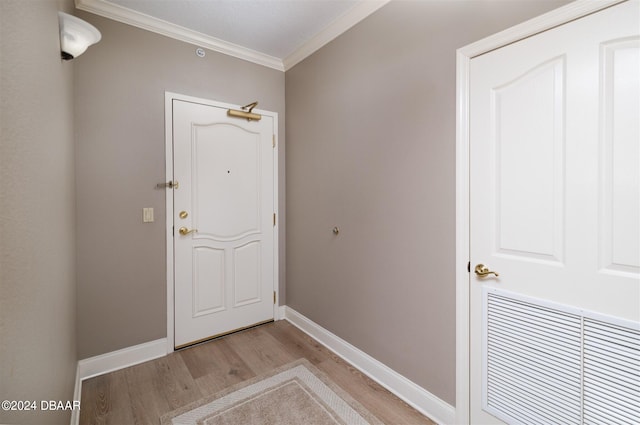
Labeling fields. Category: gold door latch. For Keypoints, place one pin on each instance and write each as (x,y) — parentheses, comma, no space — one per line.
(184,231)
(170,184)
(482,270)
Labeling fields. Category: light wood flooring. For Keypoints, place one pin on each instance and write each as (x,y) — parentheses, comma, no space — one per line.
(141,394)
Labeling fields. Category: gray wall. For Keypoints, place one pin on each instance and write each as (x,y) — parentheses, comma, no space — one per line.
(371,149)
(120,157)
(37,211)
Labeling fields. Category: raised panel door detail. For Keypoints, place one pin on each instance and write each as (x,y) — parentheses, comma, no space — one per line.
(224,266)
(226,168)
(528,120)
(208,281)
(620,158)
(247,281)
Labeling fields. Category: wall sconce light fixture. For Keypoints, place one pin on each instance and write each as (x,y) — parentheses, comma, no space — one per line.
(75,35)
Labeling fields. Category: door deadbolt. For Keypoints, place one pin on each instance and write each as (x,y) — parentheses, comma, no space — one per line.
(183,214)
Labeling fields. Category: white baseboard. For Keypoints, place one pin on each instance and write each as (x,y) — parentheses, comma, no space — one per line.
(414,395)
(115,360)
(77,393)
(280,312)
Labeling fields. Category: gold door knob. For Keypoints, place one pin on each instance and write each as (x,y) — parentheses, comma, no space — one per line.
(184,231)
(482,270)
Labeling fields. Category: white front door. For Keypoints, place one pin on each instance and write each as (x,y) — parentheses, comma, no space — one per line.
(223,219)
(555,211)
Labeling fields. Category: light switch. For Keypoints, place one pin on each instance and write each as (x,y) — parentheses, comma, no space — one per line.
(147,215)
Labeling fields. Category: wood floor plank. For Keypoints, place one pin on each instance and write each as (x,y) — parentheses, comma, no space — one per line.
(119,398)
(177,384)
(143,393)
(382,403)
(259,350)
(108,400)
(215,366)
(95,403)
(148,402)
(210,357)
(299,344)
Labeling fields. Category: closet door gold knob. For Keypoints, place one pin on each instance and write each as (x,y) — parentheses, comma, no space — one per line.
(184,231)
(482,270)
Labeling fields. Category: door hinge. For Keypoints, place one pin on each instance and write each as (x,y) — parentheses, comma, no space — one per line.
(274,219)
(274,140)
(274,297)
(469,267)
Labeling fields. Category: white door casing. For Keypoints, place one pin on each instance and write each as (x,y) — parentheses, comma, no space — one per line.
(551,200)
(223,274)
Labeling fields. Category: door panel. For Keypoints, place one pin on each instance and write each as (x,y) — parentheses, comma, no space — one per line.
(555,211)
(233,152)
(247,281)
(620,206)
(528,124)
(224,266)
(208,281)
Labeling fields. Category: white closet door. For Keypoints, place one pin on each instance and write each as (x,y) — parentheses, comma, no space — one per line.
(555,182)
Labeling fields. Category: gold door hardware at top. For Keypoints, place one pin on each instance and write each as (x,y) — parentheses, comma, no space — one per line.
(482,270)
(184,231)
(246,112)
(183,214)
(169,184)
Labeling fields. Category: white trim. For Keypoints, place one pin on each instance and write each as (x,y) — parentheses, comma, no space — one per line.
(572,11)
(462,239)
(77,394)
(168,121)
(168,166)
(414,395)
(115,360)
(276,210)
(340,25)
(159,26)
(146,22)
(554,18)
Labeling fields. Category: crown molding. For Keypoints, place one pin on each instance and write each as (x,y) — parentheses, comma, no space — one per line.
(140,20)
(338,26)
(159,26)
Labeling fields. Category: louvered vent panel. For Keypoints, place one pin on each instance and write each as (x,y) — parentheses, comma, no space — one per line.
(611,373)
(533,362)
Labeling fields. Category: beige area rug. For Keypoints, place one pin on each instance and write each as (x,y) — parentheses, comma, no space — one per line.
(294,394)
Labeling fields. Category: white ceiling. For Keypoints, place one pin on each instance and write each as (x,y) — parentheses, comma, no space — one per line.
(275,33)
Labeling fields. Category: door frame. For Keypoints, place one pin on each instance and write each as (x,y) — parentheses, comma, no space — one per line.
(464,55)
(169,97)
